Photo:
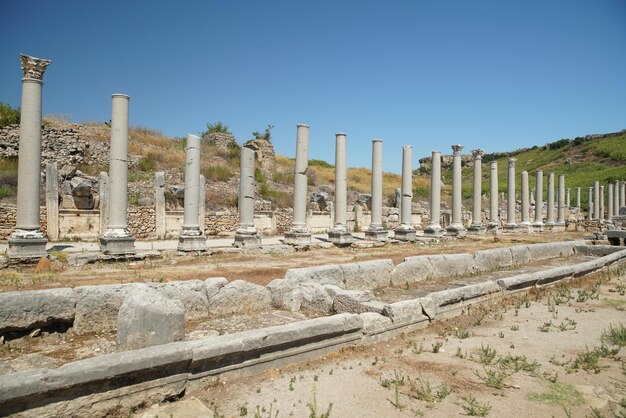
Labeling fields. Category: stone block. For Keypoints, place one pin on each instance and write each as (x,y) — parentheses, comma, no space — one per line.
(240,297)
(340,238)
(329,274)
(412,270)
(549,250)
(493,259)
(464,293)
(97,307)
(81,259)
(450,265)
(146,318)
(351,301)
(292,296)
(213,285)
(191,293)
(374,323)
(36,309)
(520,255)
(520,281)
(405,312)
(367,275)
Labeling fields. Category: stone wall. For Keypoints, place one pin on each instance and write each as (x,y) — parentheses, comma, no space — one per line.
(142,222)
(8,217)
(222,223)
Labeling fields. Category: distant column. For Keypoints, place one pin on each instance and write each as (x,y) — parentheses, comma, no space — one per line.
(477,226)
(525,201)
(103,196)
(404,231)
(246,234)
(117,240)
(532,196)
(376,232)
(27,240)
(159,204)
(616,196)
(456,224)
(510,213)
(299,233)
(560,220)
(52,201)
(434,228)
(493,195)
(202,203)
(601,213)
(191,238)
(550,207)
(578,198)
(596,200)
(609,203)
(538,224)
(622,193)
(590,204)
(568,194)
(339,234)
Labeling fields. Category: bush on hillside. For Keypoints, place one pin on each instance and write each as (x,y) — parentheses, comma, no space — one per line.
(216,128)
(267,135)
(8,115)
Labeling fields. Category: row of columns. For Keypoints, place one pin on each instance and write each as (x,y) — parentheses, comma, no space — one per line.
(616,198)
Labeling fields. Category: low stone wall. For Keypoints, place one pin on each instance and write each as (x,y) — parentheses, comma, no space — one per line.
(8,218)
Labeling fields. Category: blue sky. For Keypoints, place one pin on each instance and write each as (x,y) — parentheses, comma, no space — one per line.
(498,75)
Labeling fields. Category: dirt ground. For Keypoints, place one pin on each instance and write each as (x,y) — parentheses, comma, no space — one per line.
(556,352)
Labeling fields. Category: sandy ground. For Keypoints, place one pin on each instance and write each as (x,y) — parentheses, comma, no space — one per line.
(535,355)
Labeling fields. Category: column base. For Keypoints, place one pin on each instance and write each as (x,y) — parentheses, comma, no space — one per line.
(247,240)
(340,238)
(510,229)
(27,245)
(537,227)
(434,230)
(297,238)
(456,231)
(378,235)
(405,235)
(548,226)
(476,230)
(118,245)
(558,227)
(192,243)
(526,228)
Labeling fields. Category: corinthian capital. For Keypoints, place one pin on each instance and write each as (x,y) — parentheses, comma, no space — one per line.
(457,149)
(478,154)
(33,67)
(512,162)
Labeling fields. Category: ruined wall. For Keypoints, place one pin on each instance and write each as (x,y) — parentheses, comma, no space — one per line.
(8,218)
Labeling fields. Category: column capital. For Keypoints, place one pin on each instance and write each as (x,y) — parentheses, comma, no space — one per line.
(512,162)
(33,67)
(478,154)
(456,149)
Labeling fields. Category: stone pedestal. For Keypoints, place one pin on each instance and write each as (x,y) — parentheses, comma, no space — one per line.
(376,232)
(191,238)
(27,241)
(408,234)
(380,235)
(124,244)
(246,234)
(476,230)
(339,235)
(404,232)
(299,233)
(297,238)
(191,241)
(251,239)
(434,228)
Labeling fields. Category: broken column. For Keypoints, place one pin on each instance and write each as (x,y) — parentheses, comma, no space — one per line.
(550,205)
(246,234)
(590,204)
(339,234)
(596,200)
(299,233)
(525,223)
(511,225)
(477,228)
(27,240)
(456,227)
(538,224)
(404,231)
(493,194)
(434,228)
(117,240)
(609,203)
(376,232)
(191,238)
(159,204)
(52,201)
(560,202)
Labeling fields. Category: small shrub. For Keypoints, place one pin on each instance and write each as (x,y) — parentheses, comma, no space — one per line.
(493,378)
(147,163)
(486,355)
(614,335)
(473,408)
(437,346)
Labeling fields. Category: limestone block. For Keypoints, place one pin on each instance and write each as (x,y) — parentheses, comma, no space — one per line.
(367,275)
(146,318)
(405,312)
(191,293)
(213,285)
(374,323)
(351,301)
(559,273)
(330,274)
(412,270)
(493,259)
(97,307)
(597,250)
(36,309)
(81,259)
(292,296)
(428,307)
(240,297)
(520,281)
(520,255)
(451,265)
(460,294)
(549,250)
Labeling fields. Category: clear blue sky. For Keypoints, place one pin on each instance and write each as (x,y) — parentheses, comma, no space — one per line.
(496,74)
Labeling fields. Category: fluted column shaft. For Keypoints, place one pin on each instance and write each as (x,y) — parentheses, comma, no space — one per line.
(578,198)
(511,193)
(561,201)
(568,200)
(376,223)
(616,198)
(622,193)
(525,200)
(192,183)
(493,193)
(118,165)
(539,199)
(601,213)
(247,185)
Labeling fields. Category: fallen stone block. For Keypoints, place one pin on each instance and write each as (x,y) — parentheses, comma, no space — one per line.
(146,318)
(450,265)
(81,259)
(36,309)
(292,296)
(405,312)
(213,285)
(545,251)
(331,274)
(191,293)
(493,259)
(374,323)
(367,275)
(412,270)
(97,307)
(520,255)
(353,301)
(597,250)
(240,297)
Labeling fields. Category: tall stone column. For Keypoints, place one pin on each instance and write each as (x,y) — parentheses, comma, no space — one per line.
(117,240)
(601,213)
(494,222)
(52,201)
(511,225)
(103,196)
(596,200)
(578,198)
(456,227)
(27,241)
(622,193)
(201,202)
(538,224)
(477,228)
(339,234)
(568,200)
(609,203)
(299,233)
(525,202)
(246,234)
(550,206)
(434,228)
(404,231)
(376,232)
(590,204)
(616,196)
(191,238)
(159,204)
(560,201)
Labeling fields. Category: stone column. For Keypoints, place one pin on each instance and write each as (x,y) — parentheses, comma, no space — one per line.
(596,200)
(578,198)
(622,193)
(560,220)
(601,213)
(404,231)
(590,204)
(609,203)
(117,240)
(103,196)
(511,225)
(538,224)
(52,201)
(493,195)
(246,234)
(568,200)
(456,227)
(201,203)
(550,206)
(159,204)
(477,228)
(434,228)
(376,232)
(299,233)
(191,238)
(27,241)
(532,196)
(616,196)
(339,234)
(525,201)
